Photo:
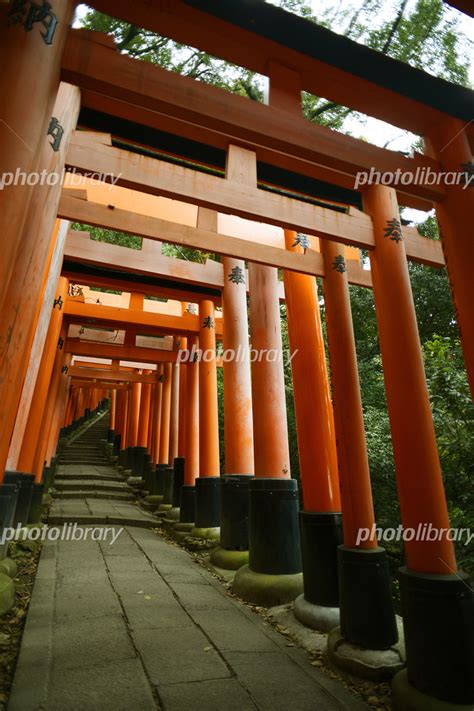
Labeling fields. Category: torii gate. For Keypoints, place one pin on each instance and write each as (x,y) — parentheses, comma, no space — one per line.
(249,155)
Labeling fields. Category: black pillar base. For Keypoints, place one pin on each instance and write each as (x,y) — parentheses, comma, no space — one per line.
(110,436)
(34,515)
(274,538)
(138,460)
(438,619)
(148,473)
(365,597)
(178,481)
(117,444)
(128,459)
(25,482)
(186,504)
(321,534)
(8,503)
(157,487)
(235,511)
(208,502)
(168,475)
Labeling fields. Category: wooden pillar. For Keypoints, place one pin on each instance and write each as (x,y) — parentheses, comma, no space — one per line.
(151,418)
(356,492)
(174,413)
(26,274)
(157,415)
(50,423)
(142,439)
(272,457)
(448,142)
(191,465)
(125,417)
(33,427)
(208,407)
(182,403)
(419,480)
(113,410)
(165,416)
(134,414)
(312,397)
(37,348)
(31,60)
(238,423)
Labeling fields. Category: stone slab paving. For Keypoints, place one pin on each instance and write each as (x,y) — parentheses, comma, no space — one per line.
(139,625)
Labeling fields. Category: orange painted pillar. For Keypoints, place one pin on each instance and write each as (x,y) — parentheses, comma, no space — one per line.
(191,434)
(49,429)
(54,340)
(192,418)
(145,399)
(272,457)
(208,411)
(419,479)
(26,110)
(320,521)
(113,410)
(149,444)
(313,406)
(125,417)
(356,491)
(62,395)
(182,403)
(449,143)
(366,620)
(134,416)
(238,423)
(436,599)
(157,415)
(79,411)
(165,416)
(26,274)
(174,413)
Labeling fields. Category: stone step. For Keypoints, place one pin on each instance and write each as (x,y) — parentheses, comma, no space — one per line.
(79,484)
(77,476)
(113,495)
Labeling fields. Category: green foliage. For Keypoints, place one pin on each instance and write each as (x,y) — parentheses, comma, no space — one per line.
(103,235)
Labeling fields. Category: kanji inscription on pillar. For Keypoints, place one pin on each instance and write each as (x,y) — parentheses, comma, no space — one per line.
(237,276)
(29,14)
(339,264)
(208,322)
(393,230)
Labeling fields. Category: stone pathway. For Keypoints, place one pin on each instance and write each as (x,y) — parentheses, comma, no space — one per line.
(139,625)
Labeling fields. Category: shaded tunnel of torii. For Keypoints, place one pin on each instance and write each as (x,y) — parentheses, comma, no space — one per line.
(265,190)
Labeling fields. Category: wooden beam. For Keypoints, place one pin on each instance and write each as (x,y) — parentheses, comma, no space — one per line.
(145,261)
(103,374)
(157,177)
(91,384)
(143,321)
(183,23)
(145,94)
(78,347)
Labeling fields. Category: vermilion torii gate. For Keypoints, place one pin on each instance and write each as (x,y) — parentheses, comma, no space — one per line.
(266,190)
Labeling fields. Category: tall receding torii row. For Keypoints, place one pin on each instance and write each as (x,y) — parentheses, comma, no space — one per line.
(91,109)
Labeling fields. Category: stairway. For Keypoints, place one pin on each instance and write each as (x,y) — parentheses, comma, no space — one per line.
(87,448)
(88,490)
